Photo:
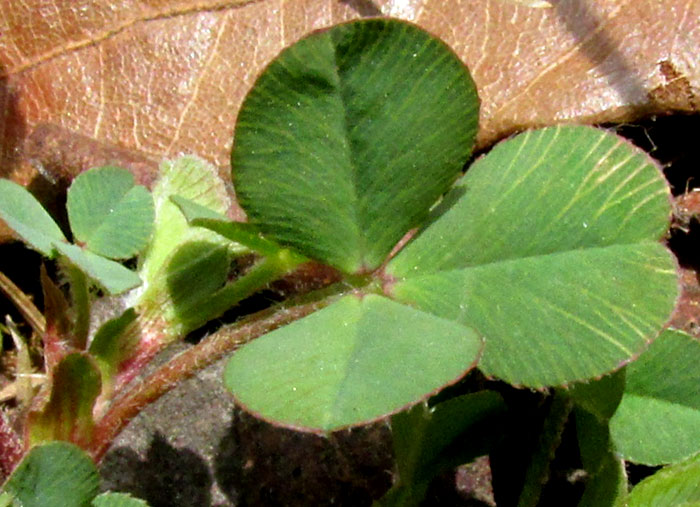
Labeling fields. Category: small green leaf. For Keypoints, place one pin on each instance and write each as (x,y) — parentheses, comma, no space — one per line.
(54,474)
(108,347)
(606,482)
(75,385)
(195,271)
(111,275)
(197,181)
(28,218)
(278,262)
(673,486)
(608,487)
(350,136)
(111,499)
(428,441)
(179,254)
(658,420)
(359,359)
(108,214)
(551,251)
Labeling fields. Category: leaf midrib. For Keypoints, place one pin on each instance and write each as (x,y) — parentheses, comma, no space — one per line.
(345,381)
(354,176)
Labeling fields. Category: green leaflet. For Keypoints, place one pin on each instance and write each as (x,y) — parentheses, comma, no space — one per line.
(59,474)
(184,265)
(356,360)
(547,191)
(111,275)
(56,473)
(673,486)
(550,250)
(658,420)
(28,218)
(108,213)
(349,136)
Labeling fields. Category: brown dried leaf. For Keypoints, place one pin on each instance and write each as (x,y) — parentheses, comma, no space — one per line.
(163,77)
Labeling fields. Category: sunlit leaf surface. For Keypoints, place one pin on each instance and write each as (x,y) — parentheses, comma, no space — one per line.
(349,136)
(658,420)
(23,213)
(56,473)
(551,251)
(109,214)
(357,360)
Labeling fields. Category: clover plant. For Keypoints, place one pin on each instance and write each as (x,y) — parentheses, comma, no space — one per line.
(543,264)
(541,267)
(110,219)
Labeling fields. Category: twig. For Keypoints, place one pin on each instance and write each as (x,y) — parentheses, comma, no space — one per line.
(24,304)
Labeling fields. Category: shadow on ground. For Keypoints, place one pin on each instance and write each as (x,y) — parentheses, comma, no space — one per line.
(192,447)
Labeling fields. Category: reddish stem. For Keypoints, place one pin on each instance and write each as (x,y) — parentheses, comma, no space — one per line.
(224,341)
(148,343)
